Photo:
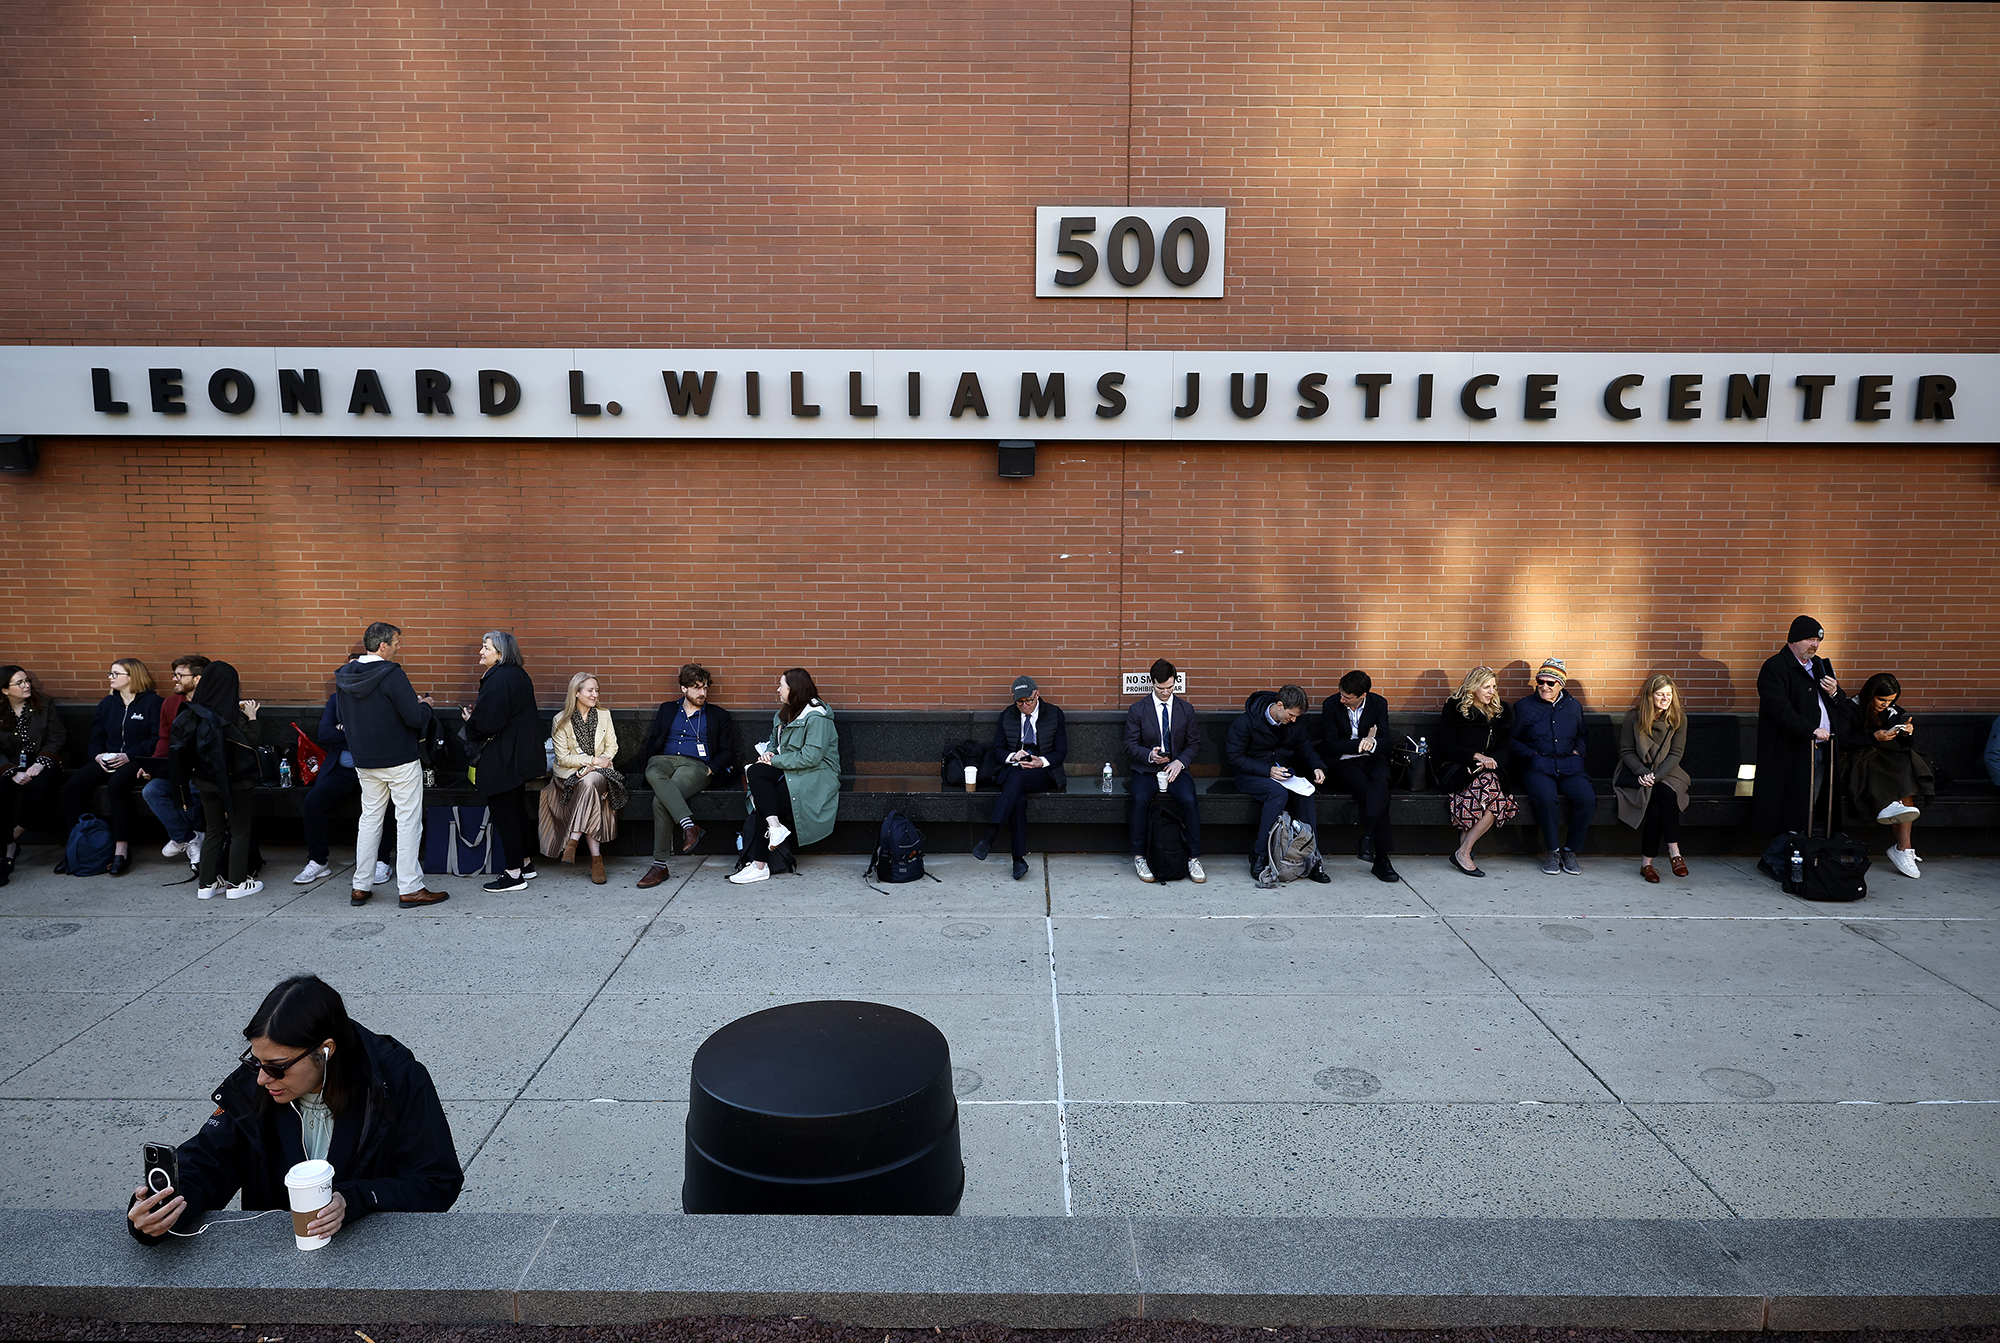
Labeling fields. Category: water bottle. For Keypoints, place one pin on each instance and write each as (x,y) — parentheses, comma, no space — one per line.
(1104,784)
(284,773)
(1423,746)
(1798,867)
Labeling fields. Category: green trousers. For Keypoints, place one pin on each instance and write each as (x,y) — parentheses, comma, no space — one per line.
(674,779)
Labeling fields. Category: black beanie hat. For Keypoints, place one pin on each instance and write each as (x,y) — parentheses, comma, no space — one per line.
(1805,627)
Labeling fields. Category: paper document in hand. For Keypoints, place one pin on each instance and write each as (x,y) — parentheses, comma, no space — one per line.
(1303,787)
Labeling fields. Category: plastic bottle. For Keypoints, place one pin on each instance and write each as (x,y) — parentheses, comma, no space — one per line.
(1105,778)
(1423,746)
(284,773)
(1798,867)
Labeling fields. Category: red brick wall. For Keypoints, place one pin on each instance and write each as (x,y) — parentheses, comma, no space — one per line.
(1679,176)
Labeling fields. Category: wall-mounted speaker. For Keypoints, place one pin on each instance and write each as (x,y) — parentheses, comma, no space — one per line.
(20,456)
(1017,459)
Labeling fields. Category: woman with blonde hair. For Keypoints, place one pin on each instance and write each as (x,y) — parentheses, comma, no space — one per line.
(582,802)
(1652,787)
(123,736)
(1475,734)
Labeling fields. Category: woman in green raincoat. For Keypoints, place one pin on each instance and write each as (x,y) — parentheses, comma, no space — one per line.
(794,786)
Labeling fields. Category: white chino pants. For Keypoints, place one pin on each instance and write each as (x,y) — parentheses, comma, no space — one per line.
(402,785)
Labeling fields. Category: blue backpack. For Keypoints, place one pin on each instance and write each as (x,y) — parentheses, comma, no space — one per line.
(899,851)
(88,853)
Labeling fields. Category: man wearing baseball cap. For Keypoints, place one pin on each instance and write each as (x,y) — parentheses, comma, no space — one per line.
(1798,708)
(1030,743)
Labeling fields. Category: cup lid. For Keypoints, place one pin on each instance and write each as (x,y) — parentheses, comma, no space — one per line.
(308,1173)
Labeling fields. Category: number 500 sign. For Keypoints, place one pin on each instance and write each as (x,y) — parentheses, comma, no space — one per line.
(1122,251)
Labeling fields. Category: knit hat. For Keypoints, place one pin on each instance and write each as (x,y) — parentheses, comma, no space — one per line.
(1552,667)
(1804,627)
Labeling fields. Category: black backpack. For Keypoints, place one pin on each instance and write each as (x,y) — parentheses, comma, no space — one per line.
(1833,868)
(899,851)
(967,753)
(1166,838)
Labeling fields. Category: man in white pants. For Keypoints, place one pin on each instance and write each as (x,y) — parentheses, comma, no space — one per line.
(383,717)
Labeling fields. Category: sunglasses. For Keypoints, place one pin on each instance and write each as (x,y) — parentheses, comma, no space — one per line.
(250,1060)
(1548,683)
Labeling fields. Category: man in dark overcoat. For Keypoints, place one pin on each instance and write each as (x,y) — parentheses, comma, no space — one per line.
(1798,706)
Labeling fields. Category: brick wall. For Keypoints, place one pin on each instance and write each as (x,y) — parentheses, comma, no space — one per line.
(1688,176)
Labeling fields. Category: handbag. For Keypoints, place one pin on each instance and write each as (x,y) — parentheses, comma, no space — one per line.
(312,756)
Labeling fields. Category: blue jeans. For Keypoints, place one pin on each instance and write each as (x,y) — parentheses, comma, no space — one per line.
(181,822)
(1277,800)
(1142,788)
(1542,790)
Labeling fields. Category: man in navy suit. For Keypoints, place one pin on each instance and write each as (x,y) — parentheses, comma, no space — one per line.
(1030,743)
(1162,737)
(1354,743)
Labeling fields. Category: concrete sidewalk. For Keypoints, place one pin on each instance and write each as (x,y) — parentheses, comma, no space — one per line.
(1519,1047)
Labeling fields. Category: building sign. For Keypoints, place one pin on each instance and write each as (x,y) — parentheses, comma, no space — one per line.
(1123,251)
(1235,396)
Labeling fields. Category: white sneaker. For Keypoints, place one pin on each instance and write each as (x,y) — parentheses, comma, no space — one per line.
(174,848)
(250,887)
(1195,874)
(778,834)
(751,872)
(1896,811)
(1904,860)
(194,849)
(310,873)
(382,872)
(1144,870)
(208,892)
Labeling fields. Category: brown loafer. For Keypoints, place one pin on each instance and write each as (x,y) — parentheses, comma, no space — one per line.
(655,874)
(1679,865)
(596,870)
(690,837)
(357,896)
(423,897)
(1649,874)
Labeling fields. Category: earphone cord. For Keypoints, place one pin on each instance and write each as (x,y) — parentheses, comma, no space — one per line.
(230,1221)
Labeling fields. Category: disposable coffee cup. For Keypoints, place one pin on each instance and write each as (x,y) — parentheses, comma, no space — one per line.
(310,1184)
(971,778)
(1161,780)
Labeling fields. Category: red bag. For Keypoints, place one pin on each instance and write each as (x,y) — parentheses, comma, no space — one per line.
(311,756)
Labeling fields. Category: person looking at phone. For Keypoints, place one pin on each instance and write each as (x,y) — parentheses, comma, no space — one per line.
(1266,749)
(1162,738)
(1799,707)
(1886,776)
(312,1086)
(1030,743)
(122,737)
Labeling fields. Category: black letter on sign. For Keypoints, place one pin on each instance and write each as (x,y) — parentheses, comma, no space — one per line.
(1871,397)
(689,391)
(1041,400)
(433,389)
(1541,397)
(1934,396)
(1314,399)
(1468,396)
(1749,398)
(1259,387)
(1114,400)
(100,394)
(800,408)
(916,395)
(1114,250)
(577,405)
(1814,385)
(166,385)
(1614,396)
(1068,244)
(753,395)
(1684,396)
(1424,396)
(499,392)
(1371,396)
(1194,398)
(367,394)
(1170,251)
(231,391)
(298,391)
(968,397)
(855,405)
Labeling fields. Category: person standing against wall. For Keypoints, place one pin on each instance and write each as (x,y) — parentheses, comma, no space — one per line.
(1798,710)
(504,726)
(385,719)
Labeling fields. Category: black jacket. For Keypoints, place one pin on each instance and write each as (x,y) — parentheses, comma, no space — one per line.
(1255,743)
(391,1153)
(1051,741)
(36,734)
(1336,740)
(380,712)
(1788,705)
(211,742)
(1460,737)
(721,760)
(505,719)
(131,729)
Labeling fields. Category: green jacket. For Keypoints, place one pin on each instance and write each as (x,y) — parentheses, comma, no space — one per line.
(808,750)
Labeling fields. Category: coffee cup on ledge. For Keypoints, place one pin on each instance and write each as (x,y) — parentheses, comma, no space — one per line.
(310,1185)
(972,778)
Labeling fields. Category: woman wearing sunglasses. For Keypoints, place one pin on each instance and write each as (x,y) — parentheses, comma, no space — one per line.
(312,1086)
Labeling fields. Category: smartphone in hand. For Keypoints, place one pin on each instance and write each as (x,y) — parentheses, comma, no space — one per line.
(163,1168)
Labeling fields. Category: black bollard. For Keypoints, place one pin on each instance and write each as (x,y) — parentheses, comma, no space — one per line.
(827,1107)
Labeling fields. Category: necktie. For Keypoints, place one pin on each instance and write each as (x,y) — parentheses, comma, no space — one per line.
(1027,730)
(1165,748)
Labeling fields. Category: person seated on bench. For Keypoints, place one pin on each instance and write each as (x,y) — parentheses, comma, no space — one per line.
(1651,786)
(32,736)
(178,814)
(1474,747)
(691,744)
(1549,735)
(1030,743)
(337,782)
(312,1086)
(1162,738)
(1352,723)
(1266,748)
(794,785)
(1886,776)
(385,720)
(123,736)
(1799,706)
(1993,753)
(582,801)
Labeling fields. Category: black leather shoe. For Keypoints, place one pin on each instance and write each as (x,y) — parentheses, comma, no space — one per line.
(1384,872)
(1367,851)
(981,849)
(1319,875)
(1020,869)
(119,863)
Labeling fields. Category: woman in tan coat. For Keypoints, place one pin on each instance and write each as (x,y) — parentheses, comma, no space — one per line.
(582,801)
(1652,787)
